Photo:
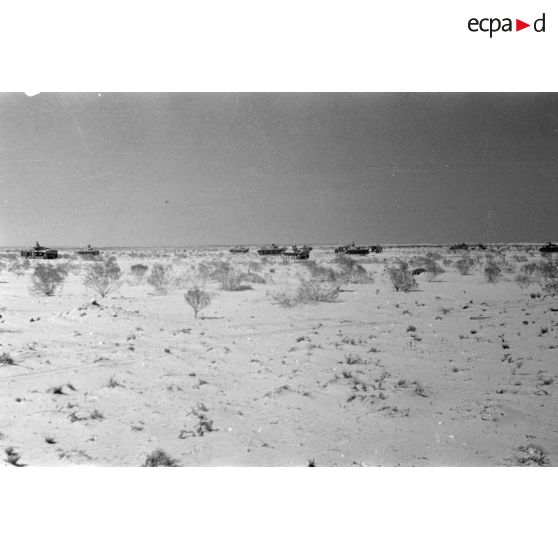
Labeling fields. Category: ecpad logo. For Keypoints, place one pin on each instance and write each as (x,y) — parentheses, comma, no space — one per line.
(493,25)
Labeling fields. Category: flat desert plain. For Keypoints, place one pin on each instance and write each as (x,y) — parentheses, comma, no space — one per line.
(459,371)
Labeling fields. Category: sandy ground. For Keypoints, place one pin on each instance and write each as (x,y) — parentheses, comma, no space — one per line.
(251,383)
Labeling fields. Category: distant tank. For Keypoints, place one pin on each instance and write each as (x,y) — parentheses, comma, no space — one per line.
(480,246)
(462,246)
(353,250)
(377,249)
(89,251)
(239,250)
(549,247)
(295,253)
(272,250)
(40,252)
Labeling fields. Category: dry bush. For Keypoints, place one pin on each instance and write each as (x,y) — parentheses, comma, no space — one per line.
(103,276)
(6,359)
(309,292)
(232,281)
(224,273)
(16,268)
(433,268)
(254,265)
(548,276)
(464,265)
(251,277)
(47,279)
(159,278)
(213,270)
(285,299)
(160,458)
(319,272)
(523,280)
(530,268)
(351,271)
(316,291)
(198,298)
(492,271)
(139,271)
(533,454)
(401,278)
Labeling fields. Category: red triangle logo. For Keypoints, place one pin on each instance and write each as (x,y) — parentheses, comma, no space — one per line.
(519,25)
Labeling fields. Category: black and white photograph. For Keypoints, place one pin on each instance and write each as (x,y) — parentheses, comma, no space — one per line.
(279,279)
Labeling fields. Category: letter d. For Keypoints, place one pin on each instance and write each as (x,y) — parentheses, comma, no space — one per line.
(535,25)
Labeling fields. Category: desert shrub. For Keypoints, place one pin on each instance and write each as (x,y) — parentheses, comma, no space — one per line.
(251,277)
(16,268)
(523,280)
(47,279)
(213,270)
(492,271)
(308,292)
(464,265)
(159,278)
(139,271)
(530,268)
(228,278)
(160,458)
(285,299)
(198,298)
(533,454)
(182,279)
(548,276)
(358,275)
(254,266)
(232,281)
(433,268)
(401,278)
(103,276)
(320,272)
(6,359)
(351,271)
(346,263)
(316,291)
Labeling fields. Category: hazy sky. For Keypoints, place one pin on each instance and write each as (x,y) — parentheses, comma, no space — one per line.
(148,169)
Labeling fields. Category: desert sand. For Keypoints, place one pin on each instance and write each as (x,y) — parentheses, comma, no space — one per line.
(460,372)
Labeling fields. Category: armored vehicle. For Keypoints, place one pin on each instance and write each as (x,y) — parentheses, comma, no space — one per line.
(89,251)
(295,253)
(549,247)
(41,252)
(377,249)
(238,250)
(353,250)
(272,250)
